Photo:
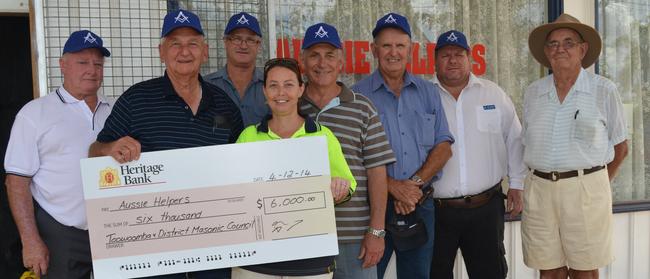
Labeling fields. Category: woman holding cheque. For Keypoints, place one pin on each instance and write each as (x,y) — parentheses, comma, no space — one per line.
(283,86)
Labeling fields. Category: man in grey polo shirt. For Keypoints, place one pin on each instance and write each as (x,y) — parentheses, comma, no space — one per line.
(240,78)
(356,124)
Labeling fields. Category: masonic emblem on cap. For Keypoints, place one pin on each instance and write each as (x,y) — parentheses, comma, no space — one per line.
(321,33)
(242,20)
(452,37)
(390,19)
(182,18)
(90,39)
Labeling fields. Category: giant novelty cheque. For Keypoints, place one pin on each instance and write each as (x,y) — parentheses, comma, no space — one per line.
(209,207)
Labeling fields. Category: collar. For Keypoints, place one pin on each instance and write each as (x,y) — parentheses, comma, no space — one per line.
(258,74)
(310,125)
(67,98)
(583,83)
(168,89)
(206,98)
(345,95)
(377,80)
(473,81)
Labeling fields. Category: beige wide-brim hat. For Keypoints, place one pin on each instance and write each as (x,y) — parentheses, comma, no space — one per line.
(537,39)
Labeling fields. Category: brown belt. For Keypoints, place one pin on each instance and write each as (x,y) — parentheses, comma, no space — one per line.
(555,176)
(472,201)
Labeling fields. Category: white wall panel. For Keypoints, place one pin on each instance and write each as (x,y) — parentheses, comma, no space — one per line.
(631,249)
(14,6)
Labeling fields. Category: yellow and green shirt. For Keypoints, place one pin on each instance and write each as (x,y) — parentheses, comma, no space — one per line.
(338,168)
(338,165)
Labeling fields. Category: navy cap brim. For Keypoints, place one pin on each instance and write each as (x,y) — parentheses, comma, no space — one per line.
(338,46)
(390,25)
(244,27)
(179,26)
(103,50)
(458,45)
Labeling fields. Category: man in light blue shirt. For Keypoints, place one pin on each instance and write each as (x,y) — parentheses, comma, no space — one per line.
(240,78)
(414,120)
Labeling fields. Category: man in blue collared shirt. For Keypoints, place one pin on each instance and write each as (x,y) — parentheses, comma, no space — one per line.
(240,78)
(412,115)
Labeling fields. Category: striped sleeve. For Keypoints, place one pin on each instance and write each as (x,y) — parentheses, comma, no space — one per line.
(338,165)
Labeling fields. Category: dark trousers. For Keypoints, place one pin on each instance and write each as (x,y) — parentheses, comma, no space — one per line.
(69,248)
(478,232)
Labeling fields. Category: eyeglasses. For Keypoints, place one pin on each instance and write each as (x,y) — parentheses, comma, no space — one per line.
(566,44)
(239,40)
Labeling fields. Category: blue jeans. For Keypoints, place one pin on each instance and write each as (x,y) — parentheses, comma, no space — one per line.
(348,266)
(415,263)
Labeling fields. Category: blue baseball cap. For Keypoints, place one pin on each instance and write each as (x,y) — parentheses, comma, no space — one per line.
(243,20)
(452,38)
(83,39)
(321,33)
(392,20)
(180,18)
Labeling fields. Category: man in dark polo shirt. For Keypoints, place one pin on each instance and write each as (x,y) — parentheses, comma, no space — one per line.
(178,110)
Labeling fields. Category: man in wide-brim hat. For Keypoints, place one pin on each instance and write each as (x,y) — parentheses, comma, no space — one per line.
(575,140)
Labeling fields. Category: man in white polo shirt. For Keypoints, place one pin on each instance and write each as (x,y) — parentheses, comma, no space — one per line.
(575,141)
(468,197)
(49,137)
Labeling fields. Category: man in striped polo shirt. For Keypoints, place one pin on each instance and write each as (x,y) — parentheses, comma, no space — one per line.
(356,124)
(178,110)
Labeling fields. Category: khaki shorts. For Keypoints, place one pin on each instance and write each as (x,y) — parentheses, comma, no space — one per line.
(567,222)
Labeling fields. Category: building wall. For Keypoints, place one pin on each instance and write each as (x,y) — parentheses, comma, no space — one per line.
(631,250)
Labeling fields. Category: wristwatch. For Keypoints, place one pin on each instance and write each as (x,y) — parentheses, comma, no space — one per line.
(376,232)
(415,178)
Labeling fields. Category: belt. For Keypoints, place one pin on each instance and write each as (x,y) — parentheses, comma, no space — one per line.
(555,176)
(471,201)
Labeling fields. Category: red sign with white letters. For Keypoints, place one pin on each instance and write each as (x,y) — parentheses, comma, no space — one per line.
(357,51)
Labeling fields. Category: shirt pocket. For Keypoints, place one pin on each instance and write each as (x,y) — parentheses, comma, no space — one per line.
(588,129)
(427,131)
(488,119)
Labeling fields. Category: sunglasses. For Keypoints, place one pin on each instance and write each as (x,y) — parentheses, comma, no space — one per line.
(285,62)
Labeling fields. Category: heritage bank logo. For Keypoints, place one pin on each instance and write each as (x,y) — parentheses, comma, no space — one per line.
(130,175)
